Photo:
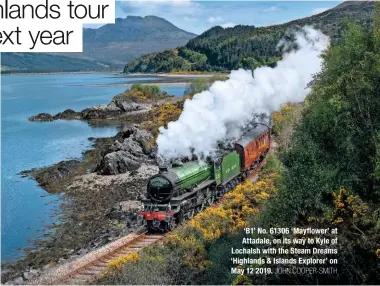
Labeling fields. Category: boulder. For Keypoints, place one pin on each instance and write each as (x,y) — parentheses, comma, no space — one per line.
(42,117)
(90,113)
(61,260)
(119,162)
(68,114)
(141,135)
(34,272)
(19,281)
(128,145)
(29,275)
(145,139)
(127,153)
(126,104)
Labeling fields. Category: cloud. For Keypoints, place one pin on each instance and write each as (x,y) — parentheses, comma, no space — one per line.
(228,25)
(215,19)
(273,9)
(156,7)
(318,10)
(190,19)
(173,2)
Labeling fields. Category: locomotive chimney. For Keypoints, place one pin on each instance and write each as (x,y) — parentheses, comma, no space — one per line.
(163,169)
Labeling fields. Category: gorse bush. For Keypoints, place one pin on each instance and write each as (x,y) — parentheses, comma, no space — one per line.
(141,93)
(115,266)
(160,116)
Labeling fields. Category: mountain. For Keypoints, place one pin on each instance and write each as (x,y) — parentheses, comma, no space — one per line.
(130,38)
(223,49)
(109,46)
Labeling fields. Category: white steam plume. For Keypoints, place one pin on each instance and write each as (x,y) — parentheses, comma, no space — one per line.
(228,106)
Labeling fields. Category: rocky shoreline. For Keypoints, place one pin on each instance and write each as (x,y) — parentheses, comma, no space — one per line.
(100,193)
(120,107)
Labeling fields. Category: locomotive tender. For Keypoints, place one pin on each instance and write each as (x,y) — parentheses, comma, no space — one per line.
(178,192)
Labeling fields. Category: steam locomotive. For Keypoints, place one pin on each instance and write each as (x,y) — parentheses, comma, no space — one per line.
(178,192)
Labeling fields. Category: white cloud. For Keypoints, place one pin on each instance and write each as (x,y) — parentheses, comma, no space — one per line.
(190,19)
(228,25)
(272,9)
(156,7)
(215,19)
(319,10)
(180,2)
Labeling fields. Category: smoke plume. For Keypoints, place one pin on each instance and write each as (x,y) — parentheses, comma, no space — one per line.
(222,112)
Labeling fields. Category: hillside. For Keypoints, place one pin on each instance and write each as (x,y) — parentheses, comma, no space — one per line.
(38,62)
(220,49)
(109,46)
(130,38)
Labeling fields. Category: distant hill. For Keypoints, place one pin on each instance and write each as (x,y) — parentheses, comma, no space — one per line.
(109,46)
(38,62)
(223,49)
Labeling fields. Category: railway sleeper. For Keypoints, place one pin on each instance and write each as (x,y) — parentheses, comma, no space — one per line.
(100,264)
(144,242)
(84,271)
(135,248)
(96,267)
(95,271)
(152,239)
(126,252)
(75,281)
(106,260)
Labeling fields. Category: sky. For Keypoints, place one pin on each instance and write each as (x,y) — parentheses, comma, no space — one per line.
(199,16)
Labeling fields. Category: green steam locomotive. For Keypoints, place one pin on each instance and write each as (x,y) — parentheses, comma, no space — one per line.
(184,189)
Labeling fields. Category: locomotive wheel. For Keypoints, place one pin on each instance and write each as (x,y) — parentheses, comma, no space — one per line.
(149,225)
(190,214)
(200,208)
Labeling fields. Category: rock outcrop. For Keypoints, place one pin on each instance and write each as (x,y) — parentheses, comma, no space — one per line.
(42,117)
(48,176)
(121,104)
(128,155)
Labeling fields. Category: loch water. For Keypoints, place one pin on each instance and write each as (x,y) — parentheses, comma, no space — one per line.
(25,207)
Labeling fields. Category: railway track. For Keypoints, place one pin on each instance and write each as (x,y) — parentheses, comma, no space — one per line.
(91,266)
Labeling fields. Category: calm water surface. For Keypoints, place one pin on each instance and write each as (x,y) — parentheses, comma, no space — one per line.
(25,207)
